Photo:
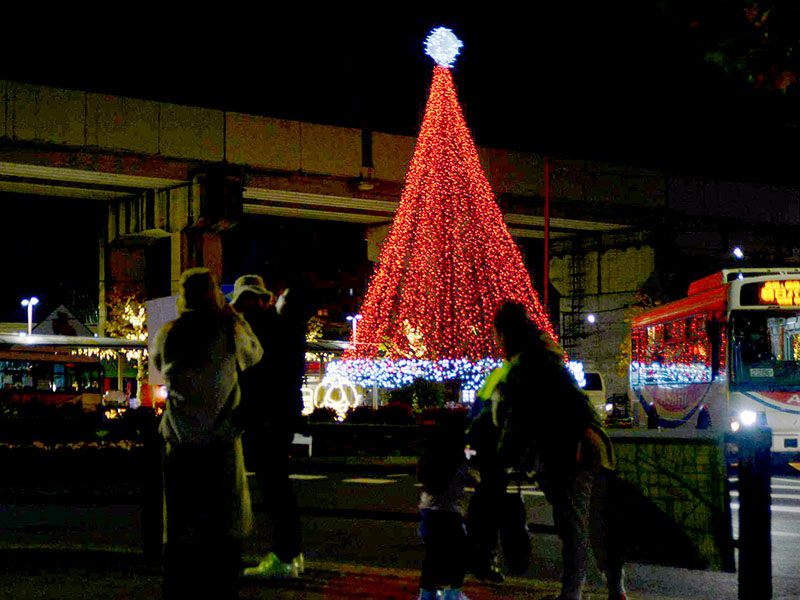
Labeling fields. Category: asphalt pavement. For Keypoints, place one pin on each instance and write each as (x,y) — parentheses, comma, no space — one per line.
(54,549)
(70,574)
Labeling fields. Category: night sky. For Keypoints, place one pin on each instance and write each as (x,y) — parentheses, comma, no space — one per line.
(625,83)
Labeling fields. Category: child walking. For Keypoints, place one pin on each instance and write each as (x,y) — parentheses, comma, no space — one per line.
(444,474)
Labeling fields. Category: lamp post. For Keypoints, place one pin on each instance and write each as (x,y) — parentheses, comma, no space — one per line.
(30,303)
(354,319)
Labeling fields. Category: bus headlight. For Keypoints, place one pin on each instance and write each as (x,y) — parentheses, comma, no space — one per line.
(747,417)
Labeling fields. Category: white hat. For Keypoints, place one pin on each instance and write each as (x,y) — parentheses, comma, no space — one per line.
(249,283)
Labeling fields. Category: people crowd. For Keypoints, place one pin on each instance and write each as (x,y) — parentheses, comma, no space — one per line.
(234,374)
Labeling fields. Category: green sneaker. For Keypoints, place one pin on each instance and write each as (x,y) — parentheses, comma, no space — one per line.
(272,566)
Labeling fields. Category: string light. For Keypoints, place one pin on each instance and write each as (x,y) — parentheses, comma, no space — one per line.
(131,354)
(387,373)
(675,353)
(337,393)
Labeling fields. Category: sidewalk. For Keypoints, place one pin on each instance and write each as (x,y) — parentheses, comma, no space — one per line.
(61,574)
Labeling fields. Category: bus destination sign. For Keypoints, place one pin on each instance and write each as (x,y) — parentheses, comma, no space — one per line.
(782,293)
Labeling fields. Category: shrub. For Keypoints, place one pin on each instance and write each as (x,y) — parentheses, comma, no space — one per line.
(323,415)
(361,415)
(395,413)
(419,395)
(432,416)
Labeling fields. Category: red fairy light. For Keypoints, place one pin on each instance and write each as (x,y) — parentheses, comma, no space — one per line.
(449,260)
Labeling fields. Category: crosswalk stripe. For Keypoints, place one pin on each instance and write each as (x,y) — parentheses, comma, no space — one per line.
(304,477)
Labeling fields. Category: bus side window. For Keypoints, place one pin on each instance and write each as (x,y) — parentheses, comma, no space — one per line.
(713,331)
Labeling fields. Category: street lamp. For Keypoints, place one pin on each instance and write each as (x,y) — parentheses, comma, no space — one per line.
(354,319)
(30,303)
(738,253)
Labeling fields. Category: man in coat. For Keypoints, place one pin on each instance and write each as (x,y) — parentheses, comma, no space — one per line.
(269,427)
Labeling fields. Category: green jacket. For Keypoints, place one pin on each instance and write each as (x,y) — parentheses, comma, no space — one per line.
(546,422)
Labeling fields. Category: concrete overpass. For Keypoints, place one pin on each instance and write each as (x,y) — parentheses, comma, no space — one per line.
(186,174)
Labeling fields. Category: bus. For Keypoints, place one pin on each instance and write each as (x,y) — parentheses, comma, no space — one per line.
(725,356)
(61,369)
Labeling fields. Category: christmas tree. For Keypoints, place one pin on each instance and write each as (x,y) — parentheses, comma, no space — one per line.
(448,262)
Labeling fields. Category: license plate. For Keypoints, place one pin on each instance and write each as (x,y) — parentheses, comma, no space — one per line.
(762,373)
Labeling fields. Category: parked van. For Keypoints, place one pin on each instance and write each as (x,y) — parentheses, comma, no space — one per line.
(595,388)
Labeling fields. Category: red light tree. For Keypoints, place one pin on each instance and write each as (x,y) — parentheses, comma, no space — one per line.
(448,261)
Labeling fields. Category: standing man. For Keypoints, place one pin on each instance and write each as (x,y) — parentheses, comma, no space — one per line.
(270,426)
(548,425)
(206,498)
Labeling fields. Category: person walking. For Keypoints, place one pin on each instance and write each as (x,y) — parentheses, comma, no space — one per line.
(269,427)
(444,474)
(548,426)
(206,498)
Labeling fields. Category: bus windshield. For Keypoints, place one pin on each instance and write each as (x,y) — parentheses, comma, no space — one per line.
(765,349)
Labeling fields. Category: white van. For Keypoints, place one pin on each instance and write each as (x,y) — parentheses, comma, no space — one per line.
(595,388)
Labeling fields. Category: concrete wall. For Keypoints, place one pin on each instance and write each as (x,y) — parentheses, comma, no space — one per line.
(622,272)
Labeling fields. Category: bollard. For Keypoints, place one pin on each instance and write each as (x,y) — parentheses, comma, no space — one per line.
(755,539)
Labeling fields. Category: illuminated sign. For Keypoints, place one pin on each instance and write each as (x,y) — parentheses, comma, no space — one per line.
(782,293)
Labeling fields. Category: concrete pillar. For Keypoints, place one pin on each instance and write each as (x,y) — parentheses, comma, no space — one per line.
(176,264)
(102,275)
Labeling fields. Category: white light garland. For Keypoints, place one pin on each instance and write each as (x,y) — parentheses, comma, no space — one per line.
(443,46)
(390,374)
(576,369)
(397,373)
(337,393)
(669,375)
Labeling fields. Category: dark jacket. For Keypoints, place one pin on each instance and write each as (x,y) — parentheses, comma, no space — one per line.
(545,415)
(271,391)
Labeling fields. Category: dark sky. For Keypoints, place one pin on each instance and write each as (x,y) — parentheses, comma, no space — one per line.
(624,82)
(618,81)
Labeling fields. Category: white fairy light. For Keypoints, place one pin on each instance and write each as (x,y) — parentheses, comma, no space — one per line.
(443,46)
